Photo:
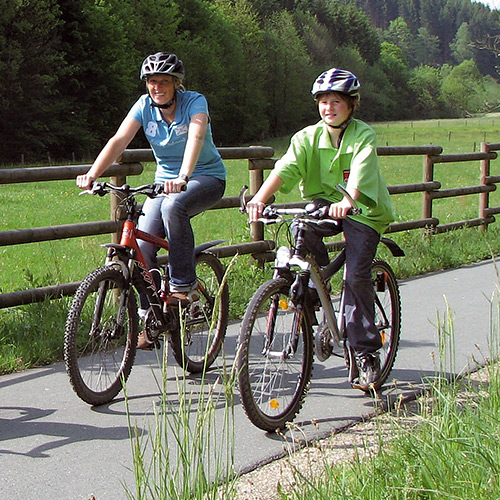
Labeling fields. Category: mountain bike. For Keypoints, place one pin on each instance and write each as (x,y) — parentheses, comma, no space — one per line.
(102,326)
(293,315)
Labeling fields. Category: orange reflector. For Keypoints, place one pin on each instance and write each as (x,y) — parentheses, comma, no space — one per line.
(283,304)
(383,337)
(273,403)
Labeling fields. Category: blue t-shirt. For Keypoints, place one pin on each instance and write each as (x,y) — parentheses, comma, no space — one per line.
(168,142)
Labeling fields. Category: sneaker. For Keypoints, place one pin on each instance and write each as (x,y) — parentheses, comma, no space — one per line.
(182,299)
(144,343)
(369,370)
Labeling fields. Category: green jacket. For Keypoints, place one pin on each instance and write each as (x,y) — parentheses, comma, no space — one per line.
(318,167)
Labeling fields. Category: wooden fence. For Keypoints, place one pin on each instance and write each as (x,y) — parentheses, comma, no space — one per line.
(259,160)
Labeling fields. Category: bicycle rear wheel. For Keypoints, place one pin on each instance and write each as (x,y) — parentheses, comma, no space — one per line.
(204,322)
(387,316)
(275,357)
(100,338)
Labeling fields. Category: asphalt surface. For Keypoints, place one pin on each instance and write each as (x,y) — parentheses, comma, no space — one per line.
(54,446)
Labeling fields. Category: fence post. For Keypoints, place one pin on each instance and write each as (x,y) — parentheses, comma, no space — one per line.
(256,179)
(426,195)
(484,198)
(114,202)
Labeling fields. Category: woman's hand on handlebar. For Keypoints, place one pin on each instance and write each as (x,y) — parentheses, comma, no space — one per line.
(174,185)
(84,181)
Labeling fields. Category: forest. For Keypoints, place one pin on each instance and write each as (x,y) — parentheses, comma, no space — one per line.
(70,68)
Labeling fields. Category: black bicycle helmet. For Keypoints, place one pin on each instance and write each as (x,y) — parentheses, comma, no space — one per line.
(162,63)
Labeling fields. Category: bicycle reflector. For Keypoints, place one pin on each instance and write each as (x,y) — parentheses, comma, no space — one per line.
(274,404)
(283,303)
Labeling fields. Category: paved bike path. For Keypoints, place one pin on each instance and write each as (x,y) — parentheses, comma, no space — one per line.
(52,445)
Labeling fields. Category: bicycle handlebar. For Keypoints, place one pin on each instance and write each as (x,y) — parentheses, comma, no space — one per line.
(150,190)
(312,211)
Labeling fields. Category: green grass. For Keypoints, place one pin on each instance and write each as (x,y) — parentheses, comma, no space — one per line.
(52,203)
(450,451)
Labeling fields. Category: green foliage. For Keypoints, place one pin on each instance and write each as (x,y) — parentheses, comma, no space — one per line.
(70,67)
(463,87)
(426,85)
(461,47)
(288,74)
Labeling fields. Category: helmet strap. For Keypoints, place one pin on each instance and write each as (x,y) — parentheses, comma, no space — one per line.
(343,125)
(166,105)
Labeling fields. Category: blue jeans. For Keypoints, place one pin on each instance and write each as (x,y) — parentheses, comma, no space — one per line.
(169,217)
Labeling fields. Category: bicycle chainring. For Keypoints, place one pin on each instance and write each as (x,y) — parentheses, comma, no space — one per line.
(323,342)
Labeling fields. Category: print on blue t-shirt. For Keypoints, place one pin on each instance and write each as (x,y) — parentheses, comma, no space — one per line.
(168,142)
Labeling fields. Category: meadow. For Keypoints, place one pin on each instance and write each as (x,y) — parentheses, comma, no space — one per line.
(28,341)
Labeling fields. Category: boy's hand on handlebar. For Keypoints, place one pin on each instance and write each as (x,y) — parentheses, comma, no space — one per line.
(340,210)
(255,210)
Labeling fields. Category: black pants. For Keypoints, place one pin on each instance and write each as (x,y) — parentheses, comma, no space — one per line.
(361,247)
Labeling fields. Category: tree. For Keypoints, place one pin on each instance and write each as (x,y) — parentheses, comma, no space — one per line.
(100,78)
(426,48)
(461,47)
(399,34)
(316,37)
(409,10)
(426,84)
(395,67)
(31,64)
(348,26)
(463,88)
(245,117)
(289,76)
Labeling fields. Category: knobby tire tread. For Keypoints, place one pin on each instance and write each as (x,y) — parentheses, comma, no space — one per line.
(71,354)
(259,418)
(395,298)
(181,353)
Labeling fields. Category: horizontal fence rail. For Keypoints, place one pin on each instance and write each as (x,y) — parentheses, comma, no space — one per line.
(259,160)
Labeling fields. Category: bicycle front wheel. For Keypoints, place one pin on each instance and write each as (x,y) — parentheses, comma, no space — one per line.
(387,316)
(100,338)
(204,322)
(275,357)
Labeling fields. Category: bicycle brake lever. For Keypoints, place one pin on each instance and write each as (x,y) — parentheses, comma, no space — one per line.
(96,188)
(243,202)
(156,191)
(355,210)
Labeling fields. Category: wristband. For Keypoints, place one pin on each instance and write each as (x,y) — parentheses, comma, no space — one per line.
(184,177)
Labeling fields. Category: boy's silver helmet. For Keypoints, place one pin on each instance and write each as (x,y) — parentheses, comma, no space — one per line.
(336,80)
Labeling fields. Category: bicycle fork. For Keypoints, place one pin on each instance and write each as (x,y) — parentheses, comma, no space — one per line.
(291,348)
(119,323)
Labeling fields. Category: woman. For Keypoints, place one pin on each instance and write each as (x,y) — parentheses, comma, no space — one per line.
(176,124)
(340,149)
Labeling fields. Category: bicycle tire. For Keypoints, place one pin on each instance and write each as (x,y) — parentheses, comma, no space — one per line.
(387,316)
(273,386)
(204,322)
(98,355)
